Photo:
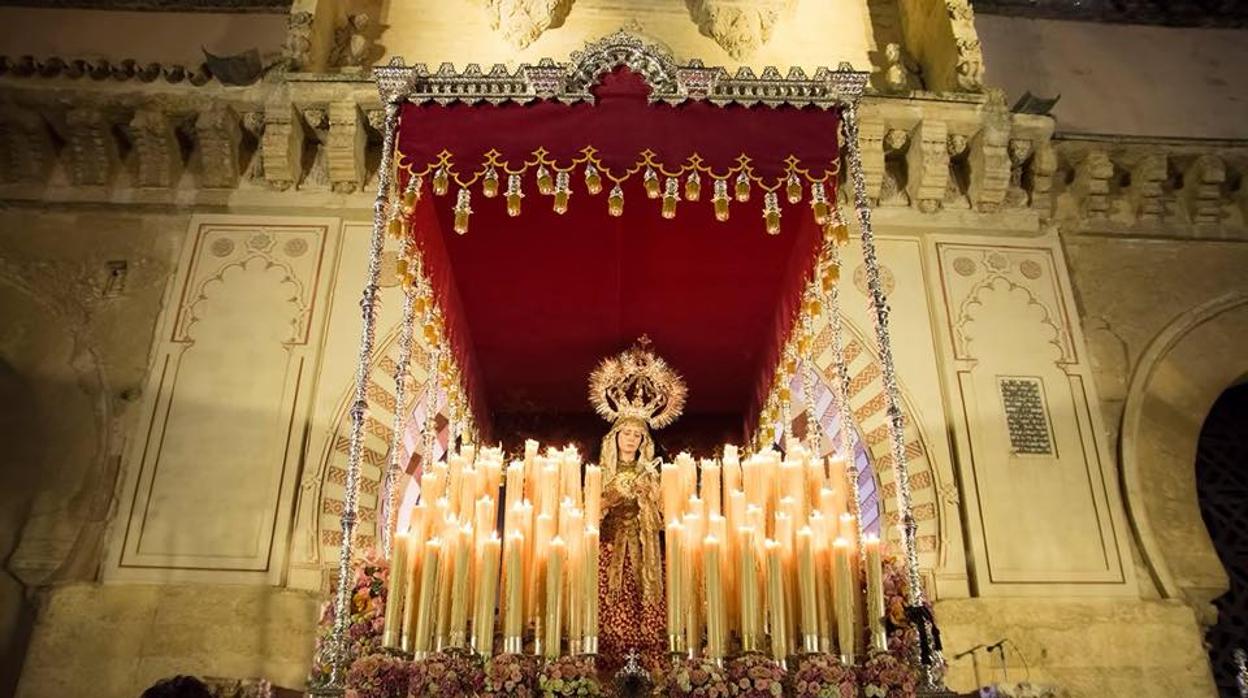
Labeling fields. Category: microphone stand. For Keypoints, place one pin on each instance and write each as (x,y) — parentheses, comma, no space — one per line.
(999,646)
(974,662)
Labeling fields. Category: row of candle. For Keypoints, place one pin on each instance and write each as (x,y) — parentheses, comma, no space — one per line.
(756,548)
(767,543)
(545,563)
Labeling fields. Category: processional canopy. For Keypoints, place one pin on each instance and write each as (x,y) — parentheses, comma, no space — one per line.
(559,211)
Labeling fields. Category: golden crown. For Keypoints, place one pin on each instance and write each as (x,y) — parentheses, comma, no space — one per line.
(637,384)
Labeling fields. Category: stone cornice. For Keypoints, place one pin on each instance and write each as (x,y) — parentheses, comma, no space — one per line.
(311,140)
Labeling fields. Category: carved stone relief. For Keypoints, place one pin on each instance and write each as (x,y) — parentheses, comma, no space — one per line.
(739,27)
(521,22)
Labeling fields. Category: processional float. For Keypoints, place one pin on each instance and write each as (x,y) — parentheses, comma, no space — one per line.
(437,139)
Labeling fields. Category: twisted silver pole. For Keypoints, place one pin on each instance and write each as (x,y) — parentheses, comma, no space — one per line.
(847,436)
(1241,671)
(389,490)
(814,426)
(896,422)
(359,405)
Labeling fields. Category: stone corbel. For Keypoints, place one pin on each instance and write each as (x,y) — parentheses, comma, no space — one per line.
(26,153)
(989,159)
(1020,151)
(1145,193)
(157,153)
(219,138)
(90,146)
(345,147)
(927,164)
(1091,185)
(1202,189)
(281,146)
(871,147)
(1043,166)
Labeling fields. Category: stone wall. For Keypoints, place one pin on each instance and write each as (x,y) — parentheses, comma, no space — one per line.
(112,641)
(79,294)
(1091,647)
(1120,79)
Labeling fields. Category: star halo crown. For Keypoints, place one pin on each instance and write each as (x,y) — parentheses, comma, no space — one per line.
(637,384)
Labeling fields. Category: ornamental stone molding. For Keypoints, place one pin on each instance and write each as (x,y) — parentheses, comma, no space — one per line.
(315,135)
(740,27)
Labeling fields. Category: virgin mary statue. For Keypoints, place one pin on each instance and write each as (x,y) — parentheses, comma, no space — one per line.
(635,391)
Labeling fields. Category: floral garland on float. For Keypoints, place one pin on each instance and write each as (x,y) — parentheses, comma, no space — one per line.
(365,625)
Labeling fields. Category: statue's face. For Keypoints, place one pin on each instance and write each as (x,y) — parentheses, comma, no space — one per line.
(628,438)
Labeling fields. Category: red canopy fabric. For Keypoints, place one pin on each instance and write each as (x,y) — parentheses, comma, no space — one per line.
(535,301)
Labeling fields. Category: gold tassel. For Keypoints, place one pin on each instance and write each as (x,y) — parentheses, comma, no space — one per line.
(563,190)
(463,209)
(615,201)
(771,212)
(719,197)
(831,275)
(397,227)
(743,188)
(651,181)
(693,186)
(670,197)
(803,347)
(514,195)
(793,187)
(489,184)
(441,181)
(411,196)
(593,180)
(545,185)
(819,202)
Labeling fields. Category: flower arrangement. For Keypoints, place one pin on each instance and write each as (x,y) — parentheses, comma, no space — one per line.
(823,676)
(378,675)
(569,676)
(366,622)
(902,635)
(753,675)
(448,673)
(883,675)
(694,676)
(510,676)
